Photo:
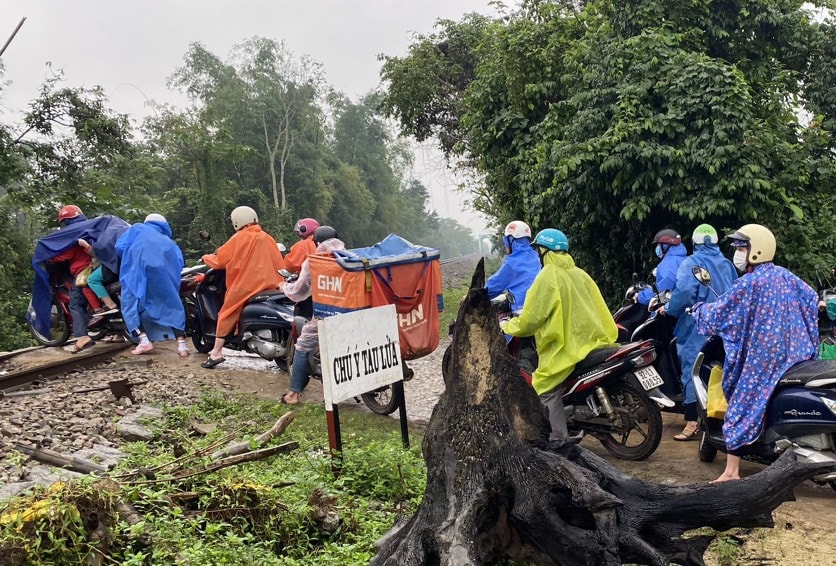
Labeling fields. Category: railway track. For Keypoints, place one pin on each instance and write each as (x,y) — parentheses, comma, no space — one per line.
(40,362)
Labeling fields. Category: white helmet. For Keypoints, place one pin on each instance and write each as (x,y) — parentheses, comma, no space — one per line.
(243,216)
(518,229)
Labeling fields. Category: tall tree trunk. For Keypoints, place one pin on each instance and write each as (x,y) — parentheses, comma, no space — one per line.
(271,161)
(496,487)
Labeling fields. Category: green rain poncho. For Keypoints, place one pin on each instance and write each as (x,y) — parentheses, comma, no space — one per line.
(567,316)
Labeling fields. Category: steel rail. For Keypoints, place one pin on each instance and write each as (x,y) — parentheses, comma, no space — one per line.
(84,359)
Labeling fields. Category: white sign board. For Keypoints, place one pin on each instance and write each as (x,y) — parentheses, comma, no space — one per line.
(360,352)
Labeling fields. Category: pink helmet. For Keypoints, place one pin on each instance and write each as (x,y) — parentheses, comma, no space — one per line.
(305,227)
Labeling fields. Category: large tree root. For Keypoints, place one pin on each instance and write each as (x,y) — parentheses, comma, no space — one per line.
(497,488)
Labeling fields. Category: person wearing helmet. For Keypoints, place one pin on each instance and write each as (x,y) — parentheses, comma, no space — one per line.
(252,260)
(520,267)
(686,293)
(768,321)
(304,228)
(77,258)
(567,316)
(668,246)
(327,241)
(149,274)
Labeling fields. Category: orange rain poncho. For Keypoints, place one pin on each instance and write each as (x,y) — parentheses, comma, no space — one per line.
(298,254)
(251,259)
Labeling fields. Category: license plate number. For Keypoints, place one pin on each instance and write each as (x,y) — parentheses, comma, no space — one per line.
(649,377)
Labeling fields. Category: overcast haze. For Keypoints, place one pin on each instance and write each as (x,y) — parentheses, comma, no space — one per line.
(130,47)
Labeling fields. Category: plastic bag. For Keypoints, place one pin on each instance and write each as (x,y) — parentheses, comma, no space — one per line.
(827,351)
(83,275)
(716,405)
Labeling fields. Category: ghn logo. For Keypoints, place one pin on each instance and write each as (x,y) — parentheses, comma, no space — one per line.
(326,283)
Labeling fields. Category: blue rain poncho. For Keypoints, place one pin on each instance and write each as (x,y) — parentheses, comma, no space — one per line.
(687,293)
(150,280)
(665,273)
(768,321)
(567,316)
(516,274)
(101,233)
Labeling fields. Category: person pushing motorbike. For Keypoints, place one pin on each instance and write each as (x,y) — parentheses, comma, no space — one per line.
(768,321)
(567,316)
(252,260)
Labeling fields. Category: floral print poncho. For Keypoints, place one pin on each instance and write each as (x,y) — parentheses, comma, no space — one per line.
(768,321)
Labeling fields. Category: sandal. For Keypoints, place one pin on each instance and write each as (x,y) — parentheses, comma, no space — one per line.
(286,402)
(687,434)
(211,362)
(76,348)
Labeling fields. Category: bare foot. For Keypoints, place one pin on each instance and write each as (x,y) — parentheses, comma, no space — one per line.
(726,477)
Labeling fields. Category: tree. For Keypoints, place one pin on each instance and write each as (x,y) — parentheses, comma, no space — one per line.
(613,120)
(497,488)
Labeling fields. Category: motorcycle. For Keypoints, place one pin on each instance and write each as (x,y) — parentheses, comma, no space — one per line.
(800,416)
(264,326)
(382,400)
(611,394)
(61,319)
(636,323)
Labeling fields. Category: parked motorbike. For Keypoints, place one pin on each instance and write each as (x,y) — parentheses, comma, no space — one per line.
(613,394)
(637,323)
(264,326)
(801,414)
(382,400)
(61,319)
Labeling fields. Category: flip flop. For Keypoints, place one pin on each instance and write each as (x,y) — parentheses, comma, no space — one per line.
(76,349)
(210,363)
(687,435)
(284,401)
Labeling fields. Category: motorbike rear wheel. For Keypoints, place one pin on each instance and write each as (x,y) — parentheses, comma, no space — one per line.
(59,327)
(644,423)
(202,343)
(382,401)
(707,452)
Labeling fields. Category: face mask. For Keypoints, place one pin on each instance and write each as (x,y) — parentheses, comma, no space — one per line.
(740,259)
(658,251)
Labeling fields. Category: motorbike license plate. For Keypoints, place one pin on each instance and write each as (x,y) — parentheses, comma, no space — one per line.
(649,377)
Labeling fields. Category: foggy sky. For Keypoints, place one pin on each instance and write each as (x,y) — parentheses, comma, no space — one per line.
(129,47)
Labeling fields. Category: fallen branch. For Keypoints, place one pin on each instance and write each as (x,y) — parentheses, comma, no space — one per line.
(226,462)
(60,460)
(277,429)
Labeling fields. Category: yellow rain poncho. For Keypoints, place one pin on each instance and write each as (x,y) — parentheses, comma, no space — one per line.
(567,316)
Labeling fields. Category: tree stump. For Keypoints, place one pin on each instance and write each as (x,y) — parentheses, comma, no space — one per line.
(497,488)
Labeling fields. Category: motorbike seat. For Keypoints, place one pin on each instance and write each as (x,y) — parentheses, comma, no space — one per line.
(265,296)
(595,357)
(812,372)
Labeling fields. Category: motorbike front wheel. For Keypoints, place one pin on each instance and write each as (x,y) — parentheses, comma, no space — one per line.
(641,432)
(202,343)
(59,327)
(707,452)
(382,401)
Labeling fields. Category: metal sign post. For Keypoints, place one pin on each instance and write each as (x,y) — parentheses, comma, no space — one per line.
(360,353)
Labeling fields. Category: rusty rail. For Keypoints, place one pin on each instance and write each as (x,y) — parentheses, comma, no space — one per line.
(87,358)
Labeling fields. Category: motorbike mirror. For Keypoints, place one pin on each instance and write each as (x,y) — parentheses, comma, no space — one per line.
(204,235)
(635,278)
(702,275)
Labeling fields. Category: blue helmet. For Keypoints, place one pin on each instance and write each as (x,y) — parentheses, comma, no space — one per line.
(552,239)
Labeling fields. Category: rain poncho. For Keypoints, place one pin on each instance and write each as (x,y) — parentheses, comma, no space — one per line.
(517,273)
(665,273)
(567,316)
(689,292)
(768,321)
(101,233)
(151,263)
(298,254)
(251,259)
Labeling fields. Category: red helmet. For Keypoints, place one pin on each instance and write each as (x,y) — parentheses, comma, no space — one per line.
(68,212)
(305,227)
(667,236)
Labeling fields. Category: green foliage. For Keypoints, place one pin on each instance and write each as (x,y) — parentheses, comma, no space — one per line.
(289,509)
(612,121)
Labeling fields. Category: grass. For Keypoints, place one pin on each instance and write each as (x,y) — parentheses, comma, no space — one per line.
(287,510)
